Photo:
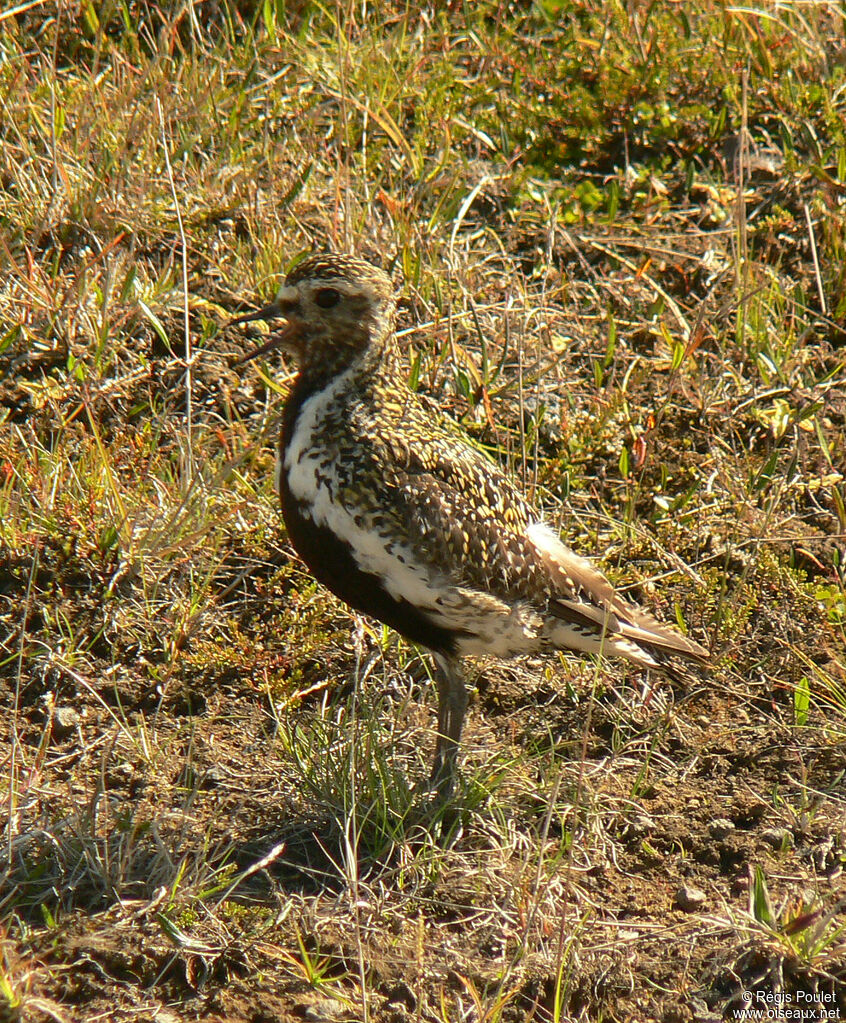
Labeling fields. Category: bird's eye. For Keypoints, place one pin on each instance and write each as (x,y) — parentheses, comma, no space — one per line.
(327,297)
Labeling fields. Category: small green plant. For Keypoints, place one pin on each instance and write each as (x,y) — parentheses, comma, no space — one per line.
(11,1002)
(488,1010)
(320,972)
(803,930)
(802,700)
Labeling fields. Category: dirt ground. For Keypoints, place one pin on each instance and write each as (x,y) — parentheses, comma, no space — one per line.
(627,895)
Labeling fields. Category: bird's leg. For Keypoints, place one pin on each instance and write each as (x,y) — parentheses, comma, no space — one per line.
(452,703)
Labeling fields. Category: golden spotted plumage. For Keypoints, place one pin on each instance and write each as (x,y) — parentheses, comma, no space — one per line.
(400,515)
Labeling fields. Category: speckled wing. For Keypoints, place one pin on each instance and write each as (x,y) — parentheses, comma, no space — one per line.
(445,530)
(460,515)
(467,521)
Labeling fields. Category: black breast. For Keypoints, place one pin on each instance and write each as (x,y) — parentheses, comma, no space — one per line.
(331,559)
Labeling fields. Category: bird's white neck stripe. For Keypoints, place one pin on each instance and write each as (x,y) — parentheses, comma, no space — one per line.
(313,410)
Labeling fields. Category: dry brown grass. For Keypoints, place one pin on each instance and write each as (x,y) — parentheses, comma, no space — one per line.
(620,233)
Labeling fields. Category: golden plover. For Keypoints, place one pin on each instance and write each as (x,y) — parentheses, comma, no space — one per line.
(392,509)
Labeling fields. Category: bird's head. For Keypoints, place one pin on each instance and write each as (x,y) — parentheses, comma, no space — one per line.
(337,309)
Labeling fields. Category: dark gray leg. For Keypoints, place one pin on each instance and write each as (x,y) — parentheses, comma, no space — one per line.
(452,703)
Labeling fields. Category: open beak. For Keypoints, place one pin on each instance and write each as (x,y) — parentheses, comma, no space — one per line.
(274,311)
(269,312)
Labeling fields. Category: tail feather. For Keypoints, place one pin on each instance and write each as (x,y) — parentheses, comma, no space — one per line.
(655,636)
(595,617)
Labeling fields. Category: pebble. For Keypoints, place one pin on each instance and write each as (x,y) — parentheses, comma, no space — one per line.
(690,899)
(720,827)
(65,720)
(778,838)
